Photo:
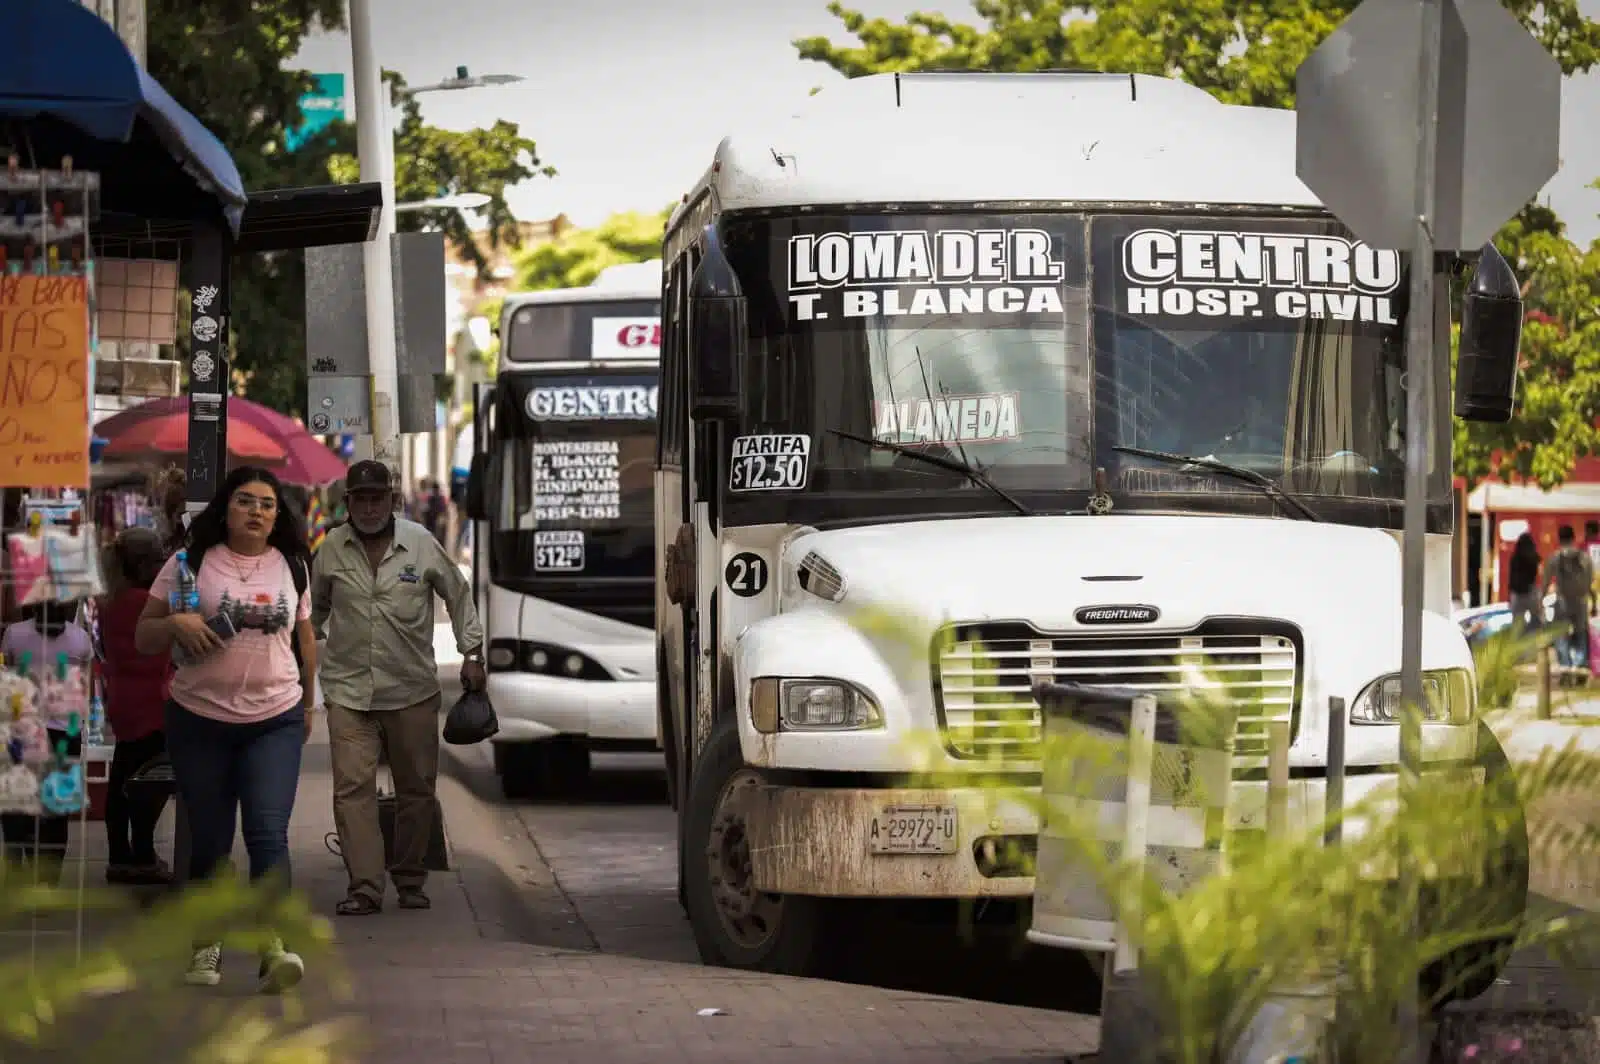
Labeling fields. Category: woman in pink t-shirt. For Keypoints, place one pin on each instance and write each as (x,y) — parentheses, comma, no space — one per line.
(237,718)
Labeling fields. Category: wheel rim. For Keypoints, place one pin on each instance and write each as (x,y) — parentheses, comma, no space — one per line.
(749,916)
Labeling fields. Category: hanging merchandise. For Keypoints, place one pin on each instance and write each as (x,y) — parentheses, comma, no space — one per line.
(52,564)
(36,774)
(46,283)
(51,561)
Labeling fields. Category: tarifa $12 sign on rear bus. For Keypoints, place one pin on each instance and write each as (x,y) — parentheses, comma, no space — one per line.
(44,381)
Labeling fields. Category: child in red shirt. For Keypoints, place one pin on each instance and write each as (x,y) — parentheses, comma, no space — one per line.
(136,697)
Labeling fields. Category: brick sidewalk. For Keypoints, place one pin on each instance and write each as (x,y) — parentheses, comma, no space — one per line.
(500,970)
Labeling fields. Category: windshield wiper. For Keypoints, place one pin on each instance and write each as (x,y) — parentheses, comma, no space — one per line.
(966,469)
(1248,476)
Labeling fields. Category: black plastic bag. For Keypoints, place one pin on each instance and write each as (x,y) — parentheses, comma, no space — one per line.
(471,720)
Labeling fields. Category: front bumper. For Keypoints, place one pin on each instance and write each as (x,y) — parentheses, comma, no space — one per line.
(815,841)
(532,707)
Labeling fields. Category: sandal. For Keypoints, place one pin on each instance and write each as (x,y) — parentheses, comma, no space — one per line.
(358,905)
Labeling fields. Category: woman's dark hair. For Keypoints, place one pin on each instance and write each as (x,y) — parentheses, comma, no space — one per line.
(1526,547)
(139,555)
(210,526)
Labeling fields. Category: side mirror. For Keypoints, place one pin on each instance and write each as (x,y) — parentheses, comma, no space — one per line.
(718,334)
(1491,337)
(476,476)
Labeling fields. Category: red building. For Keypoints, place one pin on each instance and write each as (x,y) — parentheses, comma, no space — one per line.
(1513,509)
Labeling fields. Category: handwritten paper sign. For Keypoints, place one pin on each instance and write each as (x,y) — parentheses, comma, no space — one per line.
(44,382)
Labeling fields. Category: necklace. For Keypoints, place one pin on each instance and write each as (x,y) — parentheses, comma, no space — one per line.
(251,575)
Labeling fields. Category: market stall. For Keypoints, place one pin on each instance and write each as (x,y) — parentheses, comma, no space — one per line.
(96,160)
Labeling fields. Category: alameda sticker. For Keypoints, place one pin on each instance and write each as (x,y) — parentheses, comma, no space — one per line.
(948,419)
(923,273)
(1283,276)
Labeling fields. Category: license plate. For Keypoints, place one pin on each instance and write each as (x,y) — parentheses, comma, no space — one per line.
(914,829)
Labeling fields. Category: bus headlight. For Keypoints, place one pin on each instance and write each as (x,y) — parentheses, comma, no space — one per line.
(522,655)
(1448,698)
(811,705)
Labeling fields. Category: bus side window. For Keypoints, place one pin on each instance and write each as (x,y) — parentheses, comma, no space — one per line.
(672,405)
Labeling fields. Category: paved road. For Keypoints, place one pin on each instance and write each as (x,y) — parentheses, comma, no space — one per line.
(611,852)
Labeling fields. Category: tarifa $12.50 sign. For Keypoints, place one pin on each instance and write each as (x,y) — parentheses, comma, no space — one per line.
(44,381)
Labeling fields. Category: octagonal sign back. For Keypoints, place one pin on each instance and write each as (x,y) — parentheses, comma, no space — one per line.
(1499,120)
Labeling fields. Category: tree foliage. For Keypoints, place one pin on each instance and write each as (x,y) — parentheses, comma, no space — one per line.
(576,257)
(1243,53)
(1247,53)
(1558,400)
(225,60)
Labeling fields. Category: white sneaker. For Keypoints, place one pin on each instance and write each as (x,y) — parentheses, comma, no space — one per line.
(280,970)
(205,967)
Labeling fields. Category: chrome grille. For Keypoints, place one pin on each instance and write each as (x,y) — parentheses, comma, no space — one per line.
(986,675)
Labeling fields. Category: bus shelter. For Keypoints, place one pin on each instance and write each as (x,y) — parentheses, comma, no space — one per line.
(69,88)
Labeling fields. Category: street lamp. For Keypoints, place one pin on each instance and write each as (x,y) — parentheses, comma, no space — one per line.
(465,80)
(375,143)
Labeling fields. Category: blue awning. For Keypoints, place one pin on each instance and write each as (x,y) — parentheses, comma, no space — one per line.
(67,75)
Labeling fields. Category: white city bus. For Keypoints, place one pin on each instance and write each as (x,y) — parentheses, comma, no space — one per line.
(938,345)
(562,553)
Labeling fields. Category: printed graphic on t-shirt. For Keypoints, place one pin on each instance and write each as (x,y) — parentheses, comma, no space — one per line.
(258,611)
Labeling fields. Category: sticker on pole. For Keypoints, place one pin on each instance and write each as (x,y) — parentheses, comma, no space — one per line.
(769,463)
(625,338)
(558,551)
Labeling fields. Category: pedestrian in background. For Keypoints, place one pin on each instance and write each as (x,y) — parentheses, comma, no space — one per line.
(236,722)
(1571,574)
(1522,582)
(372,591)
(137,688)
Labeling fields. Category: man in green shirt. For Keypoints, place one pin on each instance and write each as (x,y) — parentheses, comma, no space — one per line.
(372,597)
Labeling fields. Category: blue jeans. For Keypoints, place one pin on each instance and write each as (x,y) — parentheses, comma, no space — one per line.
(252,769)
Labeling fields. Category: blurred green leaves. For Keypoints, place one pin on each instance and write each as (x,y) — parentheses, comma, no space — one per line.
(576,257)
(120,995)
(1284,912)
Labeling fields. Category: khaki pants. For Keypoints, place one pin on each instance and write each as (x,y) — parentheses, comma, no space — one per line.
(410,737)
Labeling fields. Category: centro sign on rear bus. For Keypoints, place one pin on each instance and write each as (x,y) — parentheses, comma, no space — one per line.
(565,508)
(593,401)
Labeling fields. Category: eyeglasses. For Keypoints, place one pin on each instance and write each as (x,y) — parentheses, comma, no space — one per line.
(255,503)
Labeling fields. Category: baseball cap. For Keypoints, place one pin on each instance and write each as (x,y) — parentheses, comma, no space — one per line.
(368,475)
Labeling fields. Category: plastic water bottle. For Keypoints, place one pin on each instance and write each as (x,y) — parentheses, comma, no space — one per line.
(96,735)
(185,598)
(185,592)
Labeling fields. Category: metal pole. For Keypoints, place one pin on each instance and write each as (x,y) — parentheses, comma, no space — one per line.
(131,28)
(1419,440)
(1486,551)
(1277,779)
(1136,830)
(1542,707)
(374,142)
(1337,722)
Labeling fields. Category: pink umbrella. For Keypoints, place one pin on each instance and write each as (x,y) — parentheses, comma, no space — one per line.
(306,461)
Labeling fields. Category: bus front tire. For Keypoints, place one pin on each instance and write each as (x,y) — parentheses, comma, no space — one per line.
(734,925)
(1471,970)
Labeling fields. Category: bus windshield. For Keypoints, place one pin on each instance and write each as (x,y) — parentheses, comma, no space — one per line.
(584,331)
(1033,345)
(571,477)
